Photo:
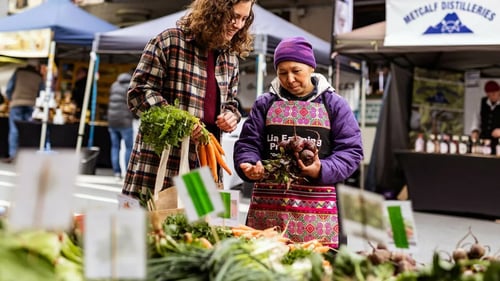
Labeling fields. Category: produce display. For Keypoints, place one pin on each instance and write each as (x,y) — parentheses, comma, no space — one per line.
(179,250)
(197,251)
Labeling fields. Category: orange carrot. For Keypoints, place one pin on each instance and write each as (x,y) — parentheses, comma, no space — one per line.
(202,155)
(244,226)
(221,161)
(212,161)
(238,232)
(321,249)
(216,143)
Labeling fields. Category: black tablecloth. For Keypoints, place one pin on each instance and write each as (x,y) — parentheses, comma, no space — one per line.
(4,137)
(65,136)
(452,183)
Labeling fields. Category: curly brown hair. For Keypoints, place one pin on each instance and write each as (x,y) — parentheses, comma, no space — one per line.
(208,21)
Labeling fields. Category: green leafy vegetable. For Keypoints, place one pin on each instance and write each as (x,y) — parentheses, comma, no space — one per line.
(164,126)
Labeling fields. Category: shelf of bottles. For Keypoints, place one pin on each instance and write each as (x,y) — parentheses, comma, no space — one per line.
(454,144)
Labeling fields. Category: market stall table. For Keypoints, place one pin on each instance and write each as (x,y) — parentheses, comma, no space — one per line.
(452,183)
(65,136)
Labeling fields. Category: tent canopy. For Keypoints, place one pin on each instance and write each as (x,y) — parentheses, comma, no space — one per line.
(133,39)
(70,24)
(367,43)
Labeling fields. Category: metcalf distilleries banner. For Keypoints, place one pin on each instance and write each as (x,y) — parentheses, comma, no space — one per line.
(442,23)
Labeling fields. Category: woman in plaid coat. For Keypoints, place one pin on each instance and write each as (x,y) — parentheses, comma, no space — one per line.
(195,63)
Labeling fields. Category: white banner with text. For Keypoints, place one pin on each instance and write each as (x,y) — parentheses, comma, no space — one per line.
(442,23)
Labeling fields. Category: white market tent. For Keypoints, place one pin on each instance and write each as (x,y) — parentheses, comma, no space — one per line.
(65,20)
(268,28)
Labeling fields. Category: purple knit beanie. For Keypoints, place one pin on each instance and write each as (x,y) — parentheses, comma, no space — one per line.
(295,49)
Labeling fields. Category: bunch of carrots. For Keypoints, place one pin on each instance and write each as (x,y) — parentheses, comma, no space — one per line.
(248,232)
(211,154)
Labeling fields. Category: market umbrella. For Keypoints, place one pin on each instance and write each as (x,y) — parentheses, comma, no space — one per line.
(68,23)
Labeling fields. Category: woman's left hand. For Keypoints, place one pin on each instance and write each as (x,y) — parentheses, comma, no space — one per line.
(227,121)
(253,172)
(313,170)
(196,133)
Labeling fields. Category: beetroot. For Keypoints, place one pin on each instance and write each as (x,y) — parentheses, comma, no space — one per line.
(284,168)
(307,157)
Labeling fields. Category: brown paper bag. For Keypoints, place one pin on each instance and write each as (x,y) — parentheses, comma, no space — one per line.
(166,205)
(167,199)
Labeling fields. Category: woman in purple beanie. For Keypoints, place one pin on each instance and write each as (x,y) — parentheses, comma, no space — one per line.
(300,103)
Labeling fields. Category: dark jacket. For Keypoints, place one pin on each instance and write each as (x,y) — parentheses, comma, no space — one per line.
(490,119)
(345,135)
(119,115)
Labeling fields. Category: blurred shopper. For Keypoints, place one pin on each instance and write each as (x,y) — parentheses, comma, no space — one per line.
(120,120)
(487,121)
(78,92)
(22,90)
(197,64)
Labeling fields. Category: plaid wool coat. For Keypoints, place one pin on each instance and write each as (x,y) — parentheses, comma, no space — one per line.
(173,67)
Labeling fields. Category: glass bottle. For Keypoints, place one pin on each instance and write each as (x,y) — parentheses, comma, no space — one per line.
(463,147)
(486,147)
(444,146)
(420,143)
(429,145)
(437,144)
(454,144)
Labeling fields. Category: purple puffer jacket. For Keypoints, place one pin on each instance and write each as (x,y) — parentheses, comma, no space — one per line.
(347,151)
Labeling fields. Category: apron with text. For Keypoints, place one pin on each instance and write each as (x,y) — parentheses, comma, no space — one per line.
(302,211)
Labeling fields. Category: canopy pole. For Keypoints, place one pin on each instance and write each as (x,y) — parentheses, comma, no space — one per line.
(365,80)
(260,48)
(261,66)
(88,86)
(48,95)
(93,104)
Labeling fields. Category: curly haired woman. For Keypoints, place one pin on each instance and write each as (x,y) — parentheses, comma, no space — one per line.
(197,64)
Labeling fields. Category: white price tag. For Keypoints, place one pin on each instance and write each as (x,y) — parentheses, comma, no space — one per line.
(115,244)
(230,215)
(43,197)
(362,213)
(127,202)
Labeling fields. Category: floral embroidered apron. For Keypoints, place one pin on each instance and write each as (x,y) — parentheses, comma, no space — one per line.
(304,212)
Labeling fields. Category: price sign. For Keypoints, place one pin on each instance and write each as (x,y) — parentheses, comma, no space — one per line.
(115,244)
(43,197)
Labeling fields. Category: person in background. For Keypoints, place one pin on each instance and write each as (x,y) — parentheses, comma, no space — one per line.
(300,103)
(120,120)
(78,92)
(197,64)
(487,121)
(22,89)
